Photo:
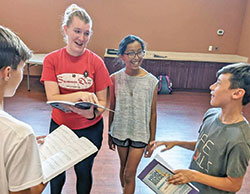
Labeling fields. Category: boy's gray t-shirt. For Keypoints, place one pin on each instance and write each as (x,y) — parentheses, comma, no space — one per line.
(221,150)
(134,96)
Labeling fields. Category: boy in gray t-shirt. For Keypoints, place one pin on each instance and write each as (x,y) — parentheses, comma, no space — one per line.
(222,151)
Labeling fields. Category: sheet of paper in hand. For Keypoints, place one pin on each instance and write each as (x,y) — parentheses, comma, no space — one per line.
(155,175)
(61,150)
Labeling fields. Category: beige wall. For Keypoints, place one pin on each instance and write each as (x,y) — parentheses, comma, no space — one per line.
(244,45)
(166,25)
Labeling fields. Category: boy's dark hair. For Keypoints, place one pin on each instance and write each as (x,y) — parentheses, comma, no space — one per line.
(127,40)
(12,49)
(240,78)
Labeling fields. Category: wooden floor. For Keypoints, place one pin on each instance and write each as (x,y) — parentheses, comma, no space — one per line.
(179,118)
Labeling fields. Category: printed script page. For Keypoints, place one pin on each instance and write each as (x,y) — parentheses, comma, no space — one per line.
(61,150)
(155,175)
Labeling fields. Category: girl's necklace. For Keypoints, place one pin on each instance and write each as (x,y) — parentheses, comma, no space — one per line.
(131,82)
(130,85)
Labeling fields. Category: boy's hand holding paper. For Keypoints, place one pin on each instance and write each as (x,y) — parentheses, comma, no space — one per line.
(158,174)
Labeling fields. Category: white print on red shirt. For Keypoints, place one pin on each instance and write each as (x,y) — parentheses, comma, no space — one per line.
(74,81)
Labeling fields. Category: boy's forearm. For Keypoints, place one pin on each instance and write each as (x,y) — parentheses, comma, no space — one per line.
(38,189)
(222,183)
(33,190)
(186,144)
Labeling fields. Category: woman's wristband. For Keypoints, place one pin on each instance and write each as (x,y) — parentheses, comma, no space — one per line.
(93,116)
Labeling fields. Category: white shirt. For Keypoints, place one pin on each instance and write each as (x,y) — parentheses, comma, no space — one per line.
(20,165)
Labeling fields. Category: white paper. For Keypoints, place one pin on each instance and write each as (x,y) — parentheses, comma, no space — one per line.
(164,162)
(61,150)
(156,174)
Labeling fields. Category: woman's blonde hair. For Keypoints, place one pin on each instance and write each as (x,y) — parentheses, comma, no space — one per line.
(75,10)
